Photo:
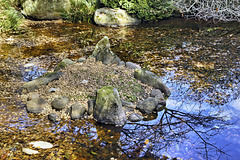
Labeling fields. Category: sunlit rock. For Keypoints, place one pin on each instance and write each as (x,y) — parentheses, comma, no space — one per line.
(36,105)
(63,64)
(29,151)
(77,111)
(114,17)
(44,9)
(108,108)
(60,103)
(103,52)
(132,65)
(41,144)
(151,79)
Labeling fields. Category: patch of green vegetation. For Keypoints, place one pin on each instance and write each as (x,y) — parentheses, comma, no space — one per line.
(10,18)
(81,10)
(147,10)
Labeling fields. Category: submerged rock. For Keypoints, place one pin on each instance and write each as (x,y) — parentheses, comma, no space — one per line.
(114,17)
(151,79)
(108,108)
(60,103)
(77,111)
(103,52)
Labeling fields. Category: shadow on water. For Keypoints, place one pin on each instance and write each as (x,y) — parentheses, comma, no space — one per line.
(198,61)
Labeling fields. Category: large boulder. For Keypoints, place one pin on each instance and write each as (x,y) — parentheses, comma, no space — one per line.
(103,52)
(44,9)
(114,18)
(151,79)
(108,108)
(43,80)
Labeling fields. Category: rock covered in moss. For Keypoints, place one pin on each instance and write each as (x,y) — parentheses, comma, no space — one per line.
(60,103)
(114,17)
(108,108)
(103,52)
(77,111)
(151,79)
(63,64)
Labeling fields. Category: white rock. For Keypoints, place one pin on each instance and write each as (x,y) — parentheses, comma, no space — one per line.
(41,144)
(84,81)
(29,151)
(28,65)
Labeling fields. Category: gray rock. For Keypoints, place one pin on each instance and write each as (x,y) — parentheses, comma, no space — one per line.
(122,63)
(148,105)
(63,64)
(60,103)
(114,17)
(43,80)
(156,93)
(32,96)
(77,111)
(36,105)
(151,79)
(160,107)
(134,117)
(108,108)
(81,60)
(103,52)
(44,9)
(132,65)
(128,104)
(91,103)
(53,117)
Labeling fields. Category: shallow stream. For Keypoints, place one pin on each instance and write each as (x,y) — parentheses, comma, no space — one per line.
(198,61)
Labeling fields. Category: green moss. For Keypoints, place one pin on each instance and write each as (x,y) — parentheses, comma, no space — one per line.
(60,66)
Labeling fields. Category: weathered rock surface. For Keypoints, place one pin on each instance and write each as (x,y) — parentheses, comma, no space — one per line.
(77,111)
(103,52)
(91,103)
(44,9)
(33,95)
(114,17)
(108,108)
(148,105)
(63,64)
(60,103)
(36,105)
(134,117)
(53,117)
(132,65)
(156,93)
(81,60)
(151,79)
(43,80)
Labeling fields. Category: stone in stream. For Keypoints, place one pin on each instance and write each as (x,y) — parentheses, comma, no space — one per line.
(132,65)
(77,111)
(134,117)
(156,93)
(108,108)
(36,105)
(103,52)
(148,105)
(63,64)
(60,103)
(151,79)
(91,103)
(53,117)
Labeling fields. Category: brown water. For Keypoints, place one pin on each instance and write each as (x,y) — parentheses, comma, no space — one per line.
(198,61)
